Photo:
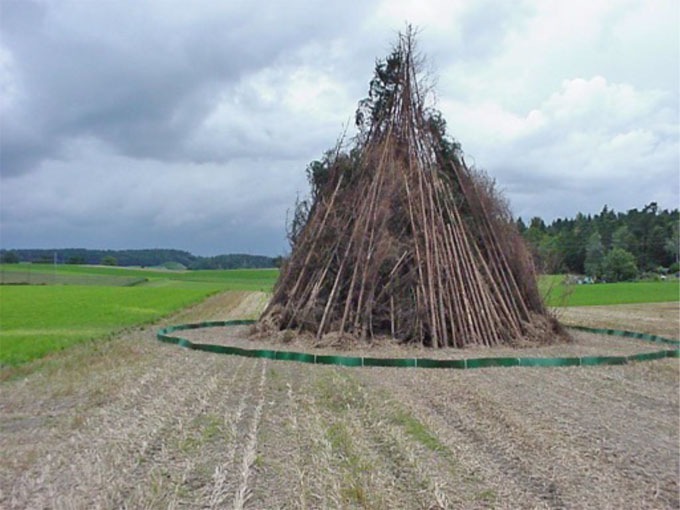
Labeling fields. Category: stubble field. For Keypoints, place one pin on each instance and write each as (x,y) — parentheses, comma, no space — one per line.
(133,423)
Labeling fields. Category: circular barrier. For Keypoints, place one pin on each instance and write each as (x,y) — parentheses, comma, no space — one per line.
(167,335)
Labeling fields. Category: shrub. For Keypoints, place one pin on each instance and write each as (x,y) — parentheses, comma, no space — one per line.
(619,266)
(109,261)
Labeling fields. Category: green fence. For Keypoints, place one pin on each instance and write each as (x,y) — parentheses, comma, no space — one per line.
(167,335)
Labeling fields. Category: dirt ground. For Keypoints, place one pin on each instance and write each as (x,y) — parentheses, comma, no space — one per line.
(656,318)
(134,423)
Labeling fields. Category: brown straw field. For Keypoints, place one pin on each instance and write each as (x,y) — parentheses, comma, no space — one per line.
(133,423)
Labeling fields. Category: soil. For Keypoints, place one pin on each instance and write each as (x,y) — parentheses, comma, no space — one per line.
(134,423)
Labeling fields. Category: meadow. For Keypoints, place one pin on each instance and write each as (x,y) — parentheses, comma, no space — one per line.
(236,279)
(557,294)
(71,304)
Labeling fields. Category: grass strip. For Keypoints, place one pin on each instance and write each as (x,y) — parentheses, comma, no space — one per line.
(556,293)
(38,320)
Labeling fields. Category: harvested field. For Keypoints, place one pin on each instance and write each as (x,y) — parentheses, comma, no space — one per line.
(134,423)
(655,318)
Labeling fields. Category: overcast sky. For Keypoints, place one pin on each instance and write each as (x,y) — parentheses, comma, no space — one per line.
(175,124)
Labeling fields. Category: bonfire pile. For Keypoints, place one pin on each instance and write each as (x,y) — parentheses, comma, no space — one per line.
(402,239)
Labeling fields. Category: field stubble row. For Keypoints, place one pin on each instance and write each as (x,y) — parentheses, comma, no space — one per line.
(131,422)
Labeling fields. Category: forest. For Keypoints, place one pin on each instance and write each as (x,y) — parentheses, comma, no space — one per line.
(610,246)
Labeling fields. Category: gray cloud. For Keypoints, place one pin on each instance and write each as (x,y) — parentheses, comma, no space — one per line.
(127,124)
(137,78)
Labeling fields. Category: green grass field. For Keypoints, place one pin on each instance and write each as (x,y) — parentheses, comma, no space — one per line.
(72,304)
(558,294)
(237,279)
(37,320)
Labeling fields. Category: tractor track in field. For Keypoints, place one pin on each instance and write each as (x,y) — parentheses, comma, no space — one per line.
(133,423)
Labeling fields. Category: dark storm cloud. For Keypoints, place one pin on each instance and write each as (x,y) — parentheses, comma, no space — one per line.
(133,76)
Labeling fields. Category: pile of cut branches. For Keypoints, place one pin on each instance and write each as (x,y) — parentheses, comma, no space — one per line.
(402,239)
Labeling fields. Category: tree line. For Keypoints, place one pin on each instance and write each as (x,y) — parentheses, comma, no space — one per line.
(172,259)
(607,246)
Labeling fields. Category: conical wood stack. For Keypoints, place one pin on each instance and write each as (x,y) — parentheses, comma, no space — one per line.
(404,240)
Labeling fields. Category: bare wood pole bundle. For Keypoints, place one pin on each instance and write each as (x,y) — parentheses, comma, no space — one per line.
(404,240)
